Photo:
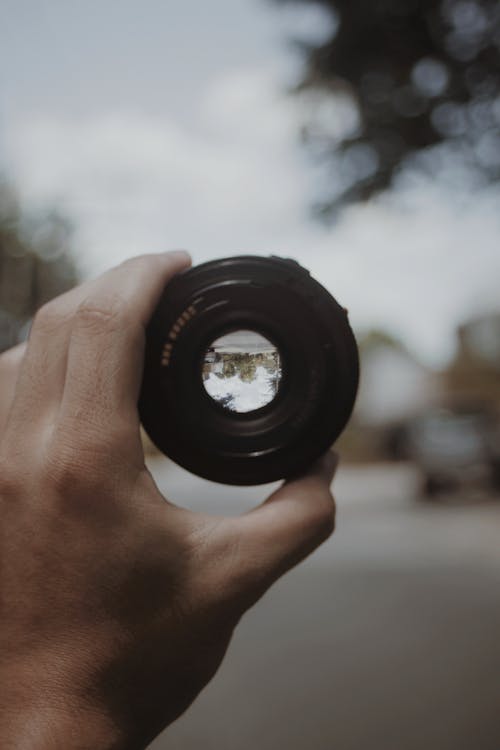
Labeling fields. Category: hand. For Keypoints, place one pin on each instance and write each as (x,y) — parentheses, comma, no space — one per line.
(116,606)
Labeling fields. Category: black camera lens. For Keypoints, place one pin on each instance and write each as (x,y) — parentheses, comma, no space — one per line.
(251,370)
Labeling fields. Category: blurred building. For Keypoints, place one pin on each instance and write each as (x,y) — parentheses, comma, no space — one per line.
(475,371)
(394,387)
(394,384)
(481,338)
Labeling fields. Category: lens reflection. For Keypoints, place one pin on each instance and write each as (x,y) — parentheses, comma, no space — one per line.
(242,371)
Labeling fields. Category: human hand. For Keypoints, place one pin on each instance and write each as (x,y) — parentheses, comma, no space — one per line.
(117,606)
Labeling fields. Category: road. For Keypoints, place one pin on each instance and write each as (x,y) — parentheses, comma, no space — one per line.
(387,638)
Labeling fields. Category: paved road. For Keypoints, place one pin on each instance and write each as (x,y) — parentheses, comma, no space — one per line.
(388,638)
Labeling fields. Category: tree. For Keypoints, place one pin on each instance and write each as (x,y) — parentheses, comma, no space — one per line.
(35,264)
(421,74)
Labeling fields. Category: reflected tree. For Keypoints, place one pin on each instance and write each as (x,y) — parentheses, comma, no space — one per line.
(35,264)
(412,75)
(227,402)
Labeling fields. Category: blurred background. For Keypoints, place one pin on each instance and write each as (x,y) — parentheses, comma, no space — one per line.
(361,138)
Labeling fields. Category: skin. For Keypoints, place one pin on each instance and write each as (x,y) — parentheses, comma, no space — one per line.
(116,606)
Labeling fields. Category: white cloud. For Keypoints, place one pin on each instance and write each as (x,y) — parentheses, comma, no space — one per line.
(236,181)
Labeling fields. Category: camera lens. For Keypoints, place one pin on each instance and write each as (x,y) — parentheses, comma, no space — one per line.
(250,371)
(242,371)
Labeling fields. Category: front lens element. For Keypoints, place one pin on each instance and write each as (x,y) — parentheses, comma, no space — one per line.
(242,371)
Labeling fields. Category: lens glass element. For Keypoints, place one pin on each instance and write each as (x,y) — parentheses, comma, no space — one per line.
(242,371)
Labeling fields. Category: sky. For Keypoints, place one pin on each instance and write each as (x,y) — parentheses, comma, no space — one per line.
(157,125)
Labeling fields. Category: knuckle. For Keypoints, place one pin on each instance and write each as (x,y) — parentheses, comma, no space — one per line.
(98,312)
(75,464)
(65,470)
(63,476)
(47,319)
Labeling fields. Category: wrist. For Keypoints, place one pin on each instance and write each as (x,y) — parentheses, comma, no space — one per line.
(45,726)
(47,703)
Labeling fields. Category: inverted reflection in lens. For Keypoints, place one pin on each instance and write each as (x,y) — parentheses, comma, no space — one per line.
(242,371)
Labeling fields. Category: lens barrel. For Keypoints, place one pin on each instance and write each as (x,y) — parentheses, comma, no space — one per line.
(279,299)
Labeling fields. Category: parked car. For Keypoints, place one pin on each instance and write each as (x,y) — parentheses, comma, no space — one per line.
(455,447)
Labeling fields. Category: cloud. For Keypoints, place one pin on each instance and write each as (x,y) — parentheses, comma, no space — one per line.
(236,181)
(152,176)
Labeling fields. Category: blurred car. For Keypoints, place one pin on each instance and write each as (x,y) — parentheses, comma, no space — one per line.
(456,447)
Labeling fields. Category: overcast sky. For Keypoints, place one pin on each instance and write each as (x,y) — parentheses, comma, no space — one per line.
(156,124)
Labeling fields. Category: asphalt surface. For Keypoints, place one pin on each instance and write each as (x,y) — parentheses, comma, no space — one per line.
(387,638)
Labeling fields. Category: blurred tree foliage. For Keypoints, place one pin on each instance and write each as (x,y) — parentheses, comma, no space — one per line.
(35,264)
(421,72)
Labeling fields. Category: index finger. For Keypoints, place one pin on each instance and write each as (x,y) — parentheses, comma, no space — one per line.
(106,348)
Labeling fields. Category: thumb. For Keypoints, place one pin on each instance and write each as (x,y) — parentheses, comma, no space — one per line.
(290,525)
